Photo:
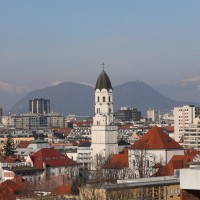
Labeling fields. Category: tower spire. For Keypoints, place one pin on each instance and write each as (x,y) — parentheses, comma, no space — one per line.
(103,65)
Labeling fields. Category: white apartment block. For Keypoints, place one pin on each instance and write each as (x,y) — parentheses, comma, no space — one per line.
(183,117)
(34,120)
(192,134)
(153,115)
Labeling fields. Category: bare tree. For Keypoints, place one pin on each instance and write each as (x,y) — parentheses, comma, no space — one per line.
(142,163)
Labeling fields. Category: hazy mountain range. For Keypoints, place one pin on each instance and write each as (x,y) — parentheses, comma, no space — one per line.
(78,99)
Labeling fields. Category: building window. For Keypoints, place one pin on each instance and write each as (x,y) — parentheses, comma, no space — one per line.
(104,99)
(98,99)
(109,98)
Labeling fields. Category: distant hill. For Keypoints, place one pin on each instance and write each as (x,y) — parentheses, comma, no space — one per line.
(67,97)
(143,97)
(78,99)
(8,99)
(184,91)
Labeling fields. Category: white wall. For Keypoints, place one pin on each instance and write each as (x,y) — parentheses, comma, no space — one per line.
(189,179)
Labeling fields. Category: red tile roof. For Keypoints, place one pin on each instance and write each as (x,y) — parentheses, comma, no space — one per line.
(83,124)
(10,189)
(127,126)
(191,152)
(118,161)
(176,162)
(10,159)
(10,185)
(62,190)
(65,131)
(155,138)
(23,144)
(52,158)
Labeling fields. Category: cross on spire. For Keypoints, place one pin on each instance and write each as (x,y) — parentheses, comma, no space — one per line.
(103,65)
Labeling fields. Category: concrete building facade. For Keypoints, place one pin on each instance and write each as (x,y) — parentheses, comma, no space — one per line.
(192,136)
(153,116)
(183,116)
(40,106)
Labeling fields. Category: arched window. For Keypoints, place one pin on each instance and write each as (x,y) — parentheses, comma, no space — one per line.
(98,99)
(109,110)
(104,99)
(109,98)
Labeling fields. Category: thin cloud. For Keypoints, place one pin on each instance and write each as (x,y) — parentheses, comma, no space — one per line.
(9,87)
(54,83)
(191,80)
(87,84)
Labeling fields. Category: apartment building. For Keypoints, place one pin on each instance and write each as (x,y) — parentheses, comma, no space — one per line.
(153,116)
(183,116)
(192,134)
(34,120)
(39,106)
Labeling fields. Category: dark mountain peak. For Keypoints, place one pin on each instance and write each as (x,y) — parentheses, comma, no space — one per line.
(76,98)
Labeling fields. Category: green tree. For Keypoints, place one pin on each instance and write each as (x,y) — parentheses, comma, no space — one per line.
(9,146)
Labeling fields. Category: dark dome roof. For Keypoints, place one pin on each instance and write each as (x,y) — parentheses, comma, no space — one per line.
(103,82)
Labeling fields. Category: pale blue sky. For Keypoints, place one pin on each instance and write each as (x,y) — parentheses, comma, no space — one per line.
(47,41)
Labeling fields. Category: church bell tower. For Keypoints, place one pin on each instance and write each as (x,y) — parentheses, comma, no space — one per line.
(104,133)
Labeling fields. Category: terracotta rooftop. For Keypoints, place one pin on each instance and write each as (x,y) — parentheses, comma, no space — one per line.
(52,158)
(156,138)
(10,189)
(176,162)
(84,123)
(10,185)
(23,144)
(118,161)
(127,126)
(10,159)
(62,190)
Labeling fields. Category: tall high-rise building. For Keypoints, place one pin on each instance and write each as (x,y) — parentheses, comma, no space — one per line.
(1,111)
(183,117)
(1,114)
(40,106)
(104,133)
(192,135)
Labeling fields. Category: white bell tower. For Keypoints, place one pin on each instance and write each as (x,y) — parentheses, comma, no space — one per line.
(104,133)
